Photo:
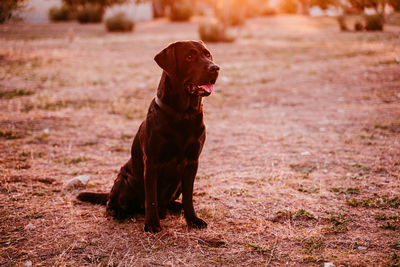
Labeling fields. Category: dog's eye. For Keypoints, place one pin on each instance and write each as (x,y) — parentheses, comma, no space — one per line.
(191,55)
(207,54)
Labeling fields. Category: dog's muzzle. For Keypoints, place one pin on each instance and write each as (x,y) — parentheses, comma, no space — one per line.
(200,90)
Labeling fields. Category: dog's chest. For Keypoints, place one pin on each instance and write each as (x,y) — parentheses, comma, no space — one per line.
(183,141)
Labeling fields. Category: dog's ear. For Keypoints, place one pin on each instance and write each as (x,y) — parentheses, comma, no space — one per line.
(167,60)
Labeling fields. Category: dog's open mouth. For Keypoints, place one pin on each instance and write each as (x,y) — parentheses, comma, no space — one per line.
(201,90)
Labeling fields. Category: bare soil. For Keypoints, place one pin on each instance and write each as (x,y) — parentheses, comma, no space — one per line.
(301,165)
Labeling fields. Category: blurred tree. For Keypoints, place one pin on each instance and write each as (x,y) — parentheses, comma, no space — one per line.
(323,4)
(181,10)
(160,7)
(255,8)
(378,5)
(359,5)
(7,7)
(304,6)
(374,22)
(74,4)
(371,22)
(92,10)
(232,12)
(395,4)
(288,6)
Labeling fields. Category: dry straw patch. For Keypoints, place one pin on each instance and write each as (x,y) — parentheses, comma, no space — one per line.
(300,167)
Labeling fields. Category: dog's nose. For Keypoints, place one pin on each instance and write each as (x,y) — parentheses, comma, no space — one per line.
(213,68)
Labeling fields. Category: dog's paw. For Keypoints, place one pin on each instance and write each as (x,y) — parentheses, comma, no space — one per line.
(152,228)
(197,223)
(117,214)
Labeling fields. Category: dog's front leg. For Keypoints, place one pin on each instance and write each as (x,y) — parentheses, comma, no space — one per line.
(187,196)
(152,220)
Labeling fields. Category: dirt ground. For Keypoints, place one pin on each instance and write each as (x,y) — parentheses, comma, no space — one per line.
(301,165)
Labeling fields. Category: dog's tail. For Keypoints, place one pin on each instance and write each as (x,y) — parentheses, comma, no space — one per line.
(95,198)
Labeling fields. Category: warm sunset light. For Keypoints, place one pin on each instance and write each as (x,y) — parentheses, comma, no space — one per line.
(200,133)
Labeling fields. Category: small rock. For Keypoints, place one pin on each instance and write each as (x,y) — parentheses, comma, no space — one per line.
(329,264)
(30,227)
(306,153)
(142,85)
(362,248)
(225,79)
(28,264)
(77,181)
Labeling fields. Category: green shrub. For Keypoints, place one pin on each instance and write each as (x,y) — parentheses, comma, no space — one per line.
(254,8)
(288,6)
(119,23)
(358,26)
(231,16)
(373,23)
(342,23)
(268,11)
(214,32)
(61,13)
(180,11)
(90,13)
(323,4)
(395,4)
(251,8)
(7,8)
(235,19)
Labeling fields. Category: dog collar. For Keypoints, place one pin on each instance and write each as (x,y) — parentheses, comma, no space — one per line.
(172,111)
(164,106)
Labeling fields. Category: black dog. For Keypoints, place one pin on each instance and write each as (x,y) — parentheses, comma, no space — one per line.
(166,149)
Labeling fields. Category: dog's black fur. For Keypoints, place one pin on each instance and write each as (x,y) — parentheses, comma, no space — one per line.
(166,149)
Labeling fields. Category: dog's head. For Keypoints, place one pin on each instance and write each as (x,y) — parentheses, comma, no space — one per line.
(190,64)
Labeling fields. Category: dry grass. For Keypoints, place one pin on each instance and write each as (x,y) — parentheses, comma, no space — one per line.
(301,165)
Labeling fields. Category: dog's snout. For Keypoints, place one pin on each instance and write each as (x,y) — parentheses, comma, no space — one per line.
(213,68)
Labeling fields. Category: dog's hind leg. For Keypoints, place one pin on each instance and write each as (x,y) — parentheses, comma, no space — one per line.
(123,200)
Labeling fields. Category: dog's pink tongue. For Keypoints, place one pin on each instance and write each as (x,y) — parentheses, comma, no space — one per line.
(207,87)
